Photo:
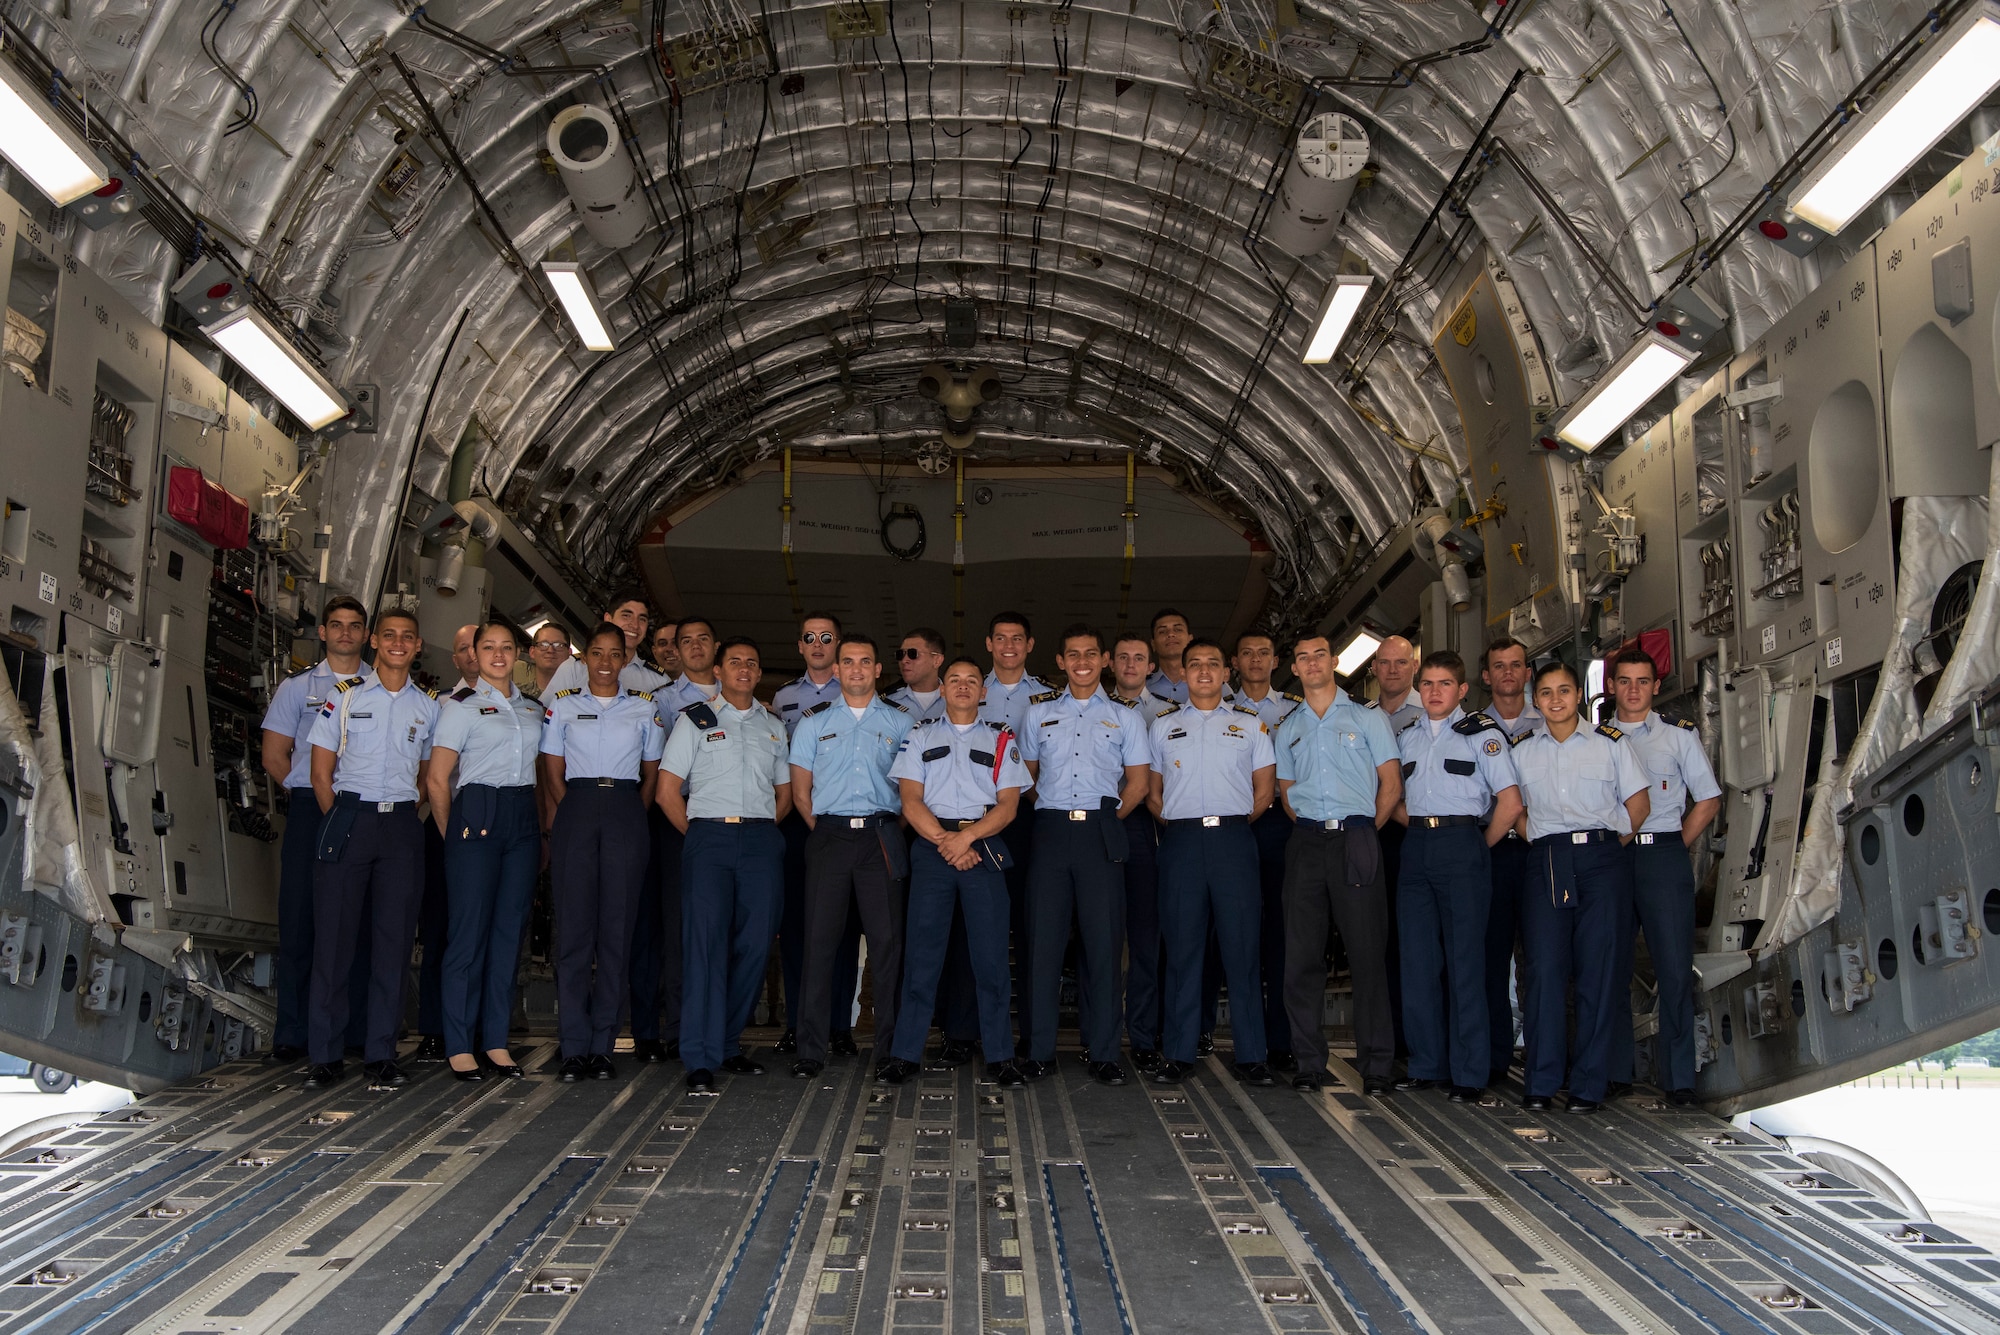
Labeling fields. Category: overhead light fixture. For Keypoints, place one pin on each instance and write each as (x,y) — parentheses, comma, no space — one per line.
(259,347)
(1647,367)
(579,302)
(1336,313)
(1955,72)
(56,158)
(1359,650)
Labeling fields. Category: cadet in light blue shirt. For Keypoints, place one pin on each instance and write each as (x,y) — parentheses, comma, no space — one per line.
(369,746)
(841,754)
(1081,748)
(819,636)
(1503,669)
(287,758)
(1340,776)
(1455,769)
(1212,774)
(920,659)
(1009,686)
(629,613)
(490,733)
(1255,662)
(1662,870)
(1584,787)
(733,756)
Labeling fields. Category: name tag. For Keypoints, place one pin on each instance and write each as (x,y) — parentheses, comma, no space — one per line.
(829,736)
(488,709)
(1176,734)
(591,717)
(937,753)
(360,715)
(715,737)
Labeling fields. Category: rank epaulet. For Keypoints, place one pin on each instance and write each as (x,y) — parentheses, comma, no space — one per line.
(348,684)
(1044,697)
(1611,732)
(643,695)
(1165,699)
(1683,723)
(1295,699)
(1246,709)
(998,725)
(464,693)
(824,704)
(700,714)
(1371,704)
(893,705)
(567,690)
(431,691)
(1118,699)
(1476,722)
(1173,707)
(1515,739)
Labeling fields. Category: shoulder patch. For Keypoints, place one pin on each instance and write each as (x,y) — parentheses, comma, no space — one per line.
(464,693)
(1245,709)
(568,690)
(701,715)
(1043,698)
(1173,707)
(1517,738)
(431,691)
(349,684)
(1683,723)
(824,704)
(1475,722)
(1611,732)
(647,696)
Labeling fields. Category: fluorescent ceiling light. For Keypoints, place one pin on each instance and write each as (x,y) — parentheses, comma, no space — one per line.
(47,152)
(1343,302)
(579,302)
(1359,650)
(1646,368)
(1956,71)
(257,345)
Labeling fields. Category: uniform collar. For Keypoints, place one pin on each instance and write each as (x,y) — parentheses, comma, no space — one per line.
(1027,679)
(485,687)
(1641,726)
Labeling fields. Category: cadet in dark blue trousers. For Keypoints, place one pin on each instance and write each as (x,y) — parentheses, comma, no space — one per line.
(1254,662)
(1088,758)
(287,757)
(731,754)
(1213,774)
(1455,768)
(369,747)
(601,747)
(1662,872)
(1584,787)
(1503,667)
(1131,666)
(960,780)
(490,733)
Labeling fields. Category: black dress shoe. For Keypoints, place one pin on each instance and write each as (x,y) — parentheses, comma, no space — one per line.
(322,1075)
(1464,1094)
(1375,1086)
(1034,1070)
(955,1051)
(742,1065)
(1171,1072)
(1618,1090)
(507,1070)
(1107,1073)
(1147,1060)
(1538,1103)
(1007,1075)
(701,1081)
(805,1068)
(787,1041)
(1254,1073)
(1415,1082)
(843,1045)
(1584,1107)
(601,1067)
(385,1075)
(471,1075)
(430,1050)
(650,1051)
(284,1055)
(895,1071)
(1205,1045)
(1309,1082)
(1683,1098)
(1283,1062)
(575,1069)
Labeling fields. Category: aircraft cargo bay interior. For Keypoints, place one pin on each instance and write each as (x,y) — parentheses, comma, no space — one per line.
(921,665)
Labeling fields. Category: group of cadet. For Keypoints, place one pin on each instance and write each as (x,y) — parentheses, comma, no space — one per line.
(1157,822)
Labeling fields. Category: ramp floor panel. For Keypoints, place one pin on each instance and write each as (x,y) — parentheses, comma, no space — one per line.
(837,1205)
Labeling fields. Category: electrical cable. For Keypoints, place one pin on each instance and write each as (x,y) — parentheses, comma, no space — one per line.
(211,32)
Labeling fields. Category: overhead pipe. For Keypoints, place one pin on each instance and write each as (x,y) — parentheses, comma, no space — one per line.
(785,540)
(958,554)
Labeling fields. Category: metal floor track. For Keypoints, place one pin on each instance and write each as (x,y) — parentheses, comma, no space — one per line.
(242,1204)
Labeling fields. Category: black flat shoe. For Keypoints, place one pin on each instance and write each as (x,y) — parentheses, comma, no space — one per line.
(575,1069)
(1205,1045)
(471,1075)
(507,1070)
(1309,1082)
(787,1042)
(1375,1086)
(1171,1072)
(955,1052)
(895,1071)
(1035,1070)
(1254,1073)
(1584,1107)
(650,1052)
(1410,1083)
(701,1081)
(1007,1075)
(1464,1094)
(284,1055)
(843,1045)
(1107,1073)
(601,1067)
(322,1075)
(805,1068)
(1538,1103)
(430,1050)
(1147,1060)
(742,1065)
(385,1075)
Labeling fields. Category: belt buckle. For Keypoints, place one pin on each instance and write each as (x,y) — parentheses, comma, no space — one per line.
(732,820)
(1645,839)
(384,808)
(1210,822)
(1330,825)
(857,822)
(1579,836)
(1079,815)
(1429,822)
(606,782)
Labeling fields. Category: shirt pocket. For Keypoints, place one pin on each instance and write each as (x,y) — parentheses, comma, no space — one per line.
(1597,784)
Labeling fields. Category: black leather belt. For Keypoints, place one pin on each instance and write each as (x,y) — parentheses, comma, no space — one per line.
(867,822)
(382,808)
(1207,822)
(1441,822)
(1578,837)
(954,826)
(1072,813)
(599,782)
(509,791)
(1329,826)
(1662,839)
(731,820)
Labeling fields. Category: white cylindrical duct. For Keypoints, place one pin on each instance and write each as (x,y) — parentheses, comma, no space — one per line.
(598,174)
(1318,182)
